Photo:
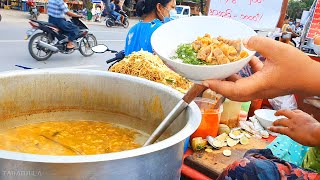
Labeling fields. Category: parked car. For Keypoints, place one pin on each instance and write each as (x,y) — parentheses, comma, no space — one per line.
(183,11)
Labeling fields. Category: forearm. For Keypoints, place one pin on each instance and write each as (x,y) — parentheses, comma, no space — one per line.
(71,14)
(316,136)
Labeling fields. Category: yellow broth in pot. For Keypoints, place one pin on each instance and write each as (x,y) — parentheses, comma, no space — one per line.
(70,138)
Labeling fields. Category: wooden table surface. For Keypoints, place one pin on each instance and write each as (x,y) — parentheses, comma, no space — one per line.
(212,164)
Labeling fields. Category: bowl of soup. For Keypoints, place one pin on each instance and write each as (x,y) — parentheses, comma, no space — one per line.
(203,47)
(84,124)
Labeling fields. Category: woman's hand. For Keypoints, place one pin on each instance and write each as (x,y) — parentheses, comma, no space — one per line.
(299,126)
(286,70)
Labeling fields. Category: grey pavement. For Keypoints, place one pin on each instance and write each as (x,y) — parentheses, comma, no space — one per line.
(14,49)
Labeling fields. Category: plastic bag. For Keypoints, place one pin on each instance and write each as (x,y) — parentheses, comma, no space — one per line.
(284,102)
(287,149)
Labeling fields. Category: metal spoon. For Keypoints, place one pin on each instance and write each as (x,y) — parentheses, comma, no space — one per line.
(193,92)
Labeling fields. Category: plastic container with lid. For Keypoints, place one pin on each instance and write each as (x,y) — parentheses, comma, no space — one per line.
(210,118)
(230,114)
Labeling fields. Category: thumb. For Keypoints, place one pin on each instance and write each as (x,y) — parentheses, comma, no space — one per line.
(267,47)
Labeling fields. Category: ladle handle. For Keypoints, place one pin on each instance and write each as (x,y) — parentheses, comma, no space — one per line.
(175,112)
(193,92)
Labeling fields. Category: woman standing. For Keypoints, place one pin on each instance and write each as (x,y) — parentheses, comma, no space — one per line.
(153,14)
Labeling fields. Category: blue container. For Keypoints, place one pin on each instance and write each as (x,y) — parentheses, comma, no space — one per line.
(186,144)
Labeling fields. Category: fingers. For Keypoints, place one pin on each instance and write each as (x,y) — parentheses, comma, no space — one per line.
(281,122)
(220,86)
(298,111)
(266,47)
(285,112)
(234,78)
(256,64)
(241,90)
(281,130)
(229,89)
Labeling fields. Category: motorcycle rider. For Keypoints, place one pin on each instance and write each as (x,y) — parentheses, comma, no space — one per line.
(31,4)
(118,9)
(57,9)
(106,9)
(113,12)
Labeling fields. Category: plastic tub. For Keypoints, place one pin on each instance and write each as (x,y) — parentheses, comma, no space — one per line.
(210,118)
(231,112)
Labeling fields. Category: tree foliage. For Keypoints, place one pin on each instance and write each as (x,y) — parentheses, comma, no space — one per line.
(180,1)
(296,7)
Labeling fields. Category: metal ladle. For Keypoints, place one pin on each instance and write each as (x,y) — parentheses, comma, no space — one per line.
(193,92)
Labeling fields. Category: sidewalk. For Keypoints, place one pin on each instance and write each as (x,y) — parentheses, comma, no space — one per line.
(23,17)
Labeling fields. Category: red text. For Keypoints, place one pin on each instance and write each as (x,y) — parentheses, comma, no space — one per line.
(229,1)
(256,18)
(226,13)
(255,2)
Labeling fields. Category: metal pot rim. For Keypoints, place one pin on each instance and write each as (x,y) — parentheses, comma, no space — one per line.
(191,126)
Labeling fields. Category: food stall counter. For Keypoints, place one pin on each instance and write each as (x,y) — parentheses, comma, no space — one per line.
(209,165)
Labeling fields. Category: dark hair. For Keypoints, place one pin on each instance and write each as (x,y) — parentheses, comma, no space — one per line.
(287,17)
(147,6)
(116,1)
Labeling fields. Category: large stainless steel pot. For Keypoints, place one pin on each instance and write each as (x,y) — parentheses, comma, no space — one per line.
(39,95)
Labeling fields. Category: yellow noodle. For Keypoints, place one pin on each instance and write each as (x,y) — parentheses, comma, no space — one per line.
(146,65)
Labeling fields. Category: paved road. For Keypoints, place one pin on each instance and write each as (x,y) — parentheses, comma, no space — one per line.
(13,47)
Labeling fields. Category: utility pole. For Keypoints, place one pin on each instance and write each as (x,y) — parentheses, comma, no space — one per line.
(283,13)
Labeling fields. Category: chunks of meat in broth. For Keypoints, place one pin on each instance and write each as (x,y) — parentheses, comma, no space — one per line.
(221,58)
(235,43)
(202,42)
(218,50)
(203,53)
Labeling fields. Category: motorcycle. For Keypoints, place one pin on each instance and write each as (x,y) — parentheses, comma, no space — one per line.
(53,40)
(34,12)
(111,20)
(103,48)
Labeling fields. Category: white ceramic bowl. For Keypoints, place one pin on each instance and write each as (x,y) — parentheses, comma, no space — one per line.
(166,38)
(266,117)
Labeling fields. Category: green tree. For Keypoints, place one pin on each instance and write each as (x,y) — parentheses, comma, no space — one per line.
(296,7)
(180,1)
(308,3)
(89,5)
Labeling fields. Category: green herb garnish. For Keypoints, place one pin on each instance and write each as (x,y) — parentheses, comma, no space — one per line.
(186,53)
(170,80)
(199,147)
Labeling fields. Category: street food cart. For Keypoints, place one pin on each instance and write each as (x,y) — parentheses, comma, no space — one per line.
(261,16)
